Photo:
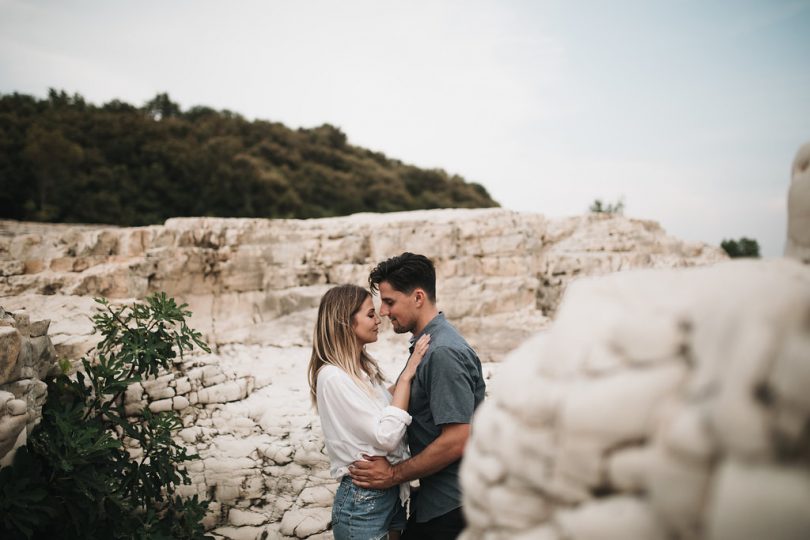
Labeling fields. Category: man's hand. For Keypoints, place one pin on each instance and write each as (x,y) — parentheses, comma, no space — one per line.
(375,472)
(372,472)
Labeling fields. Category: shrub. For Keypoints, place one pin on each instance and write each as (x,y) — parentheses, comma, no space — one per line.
(75,478)
(598,207)
(744,247)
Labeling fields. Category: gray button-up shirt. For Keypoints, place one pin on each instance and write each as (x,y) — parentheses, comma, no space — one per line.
(447,388)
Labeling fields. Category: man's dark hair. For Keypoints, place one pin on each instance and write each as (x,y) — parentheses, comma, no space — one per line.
(405,273)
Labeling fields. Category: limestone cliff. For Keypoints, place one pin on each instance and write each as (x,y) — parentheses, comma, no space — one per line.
(250,281)
(254,285)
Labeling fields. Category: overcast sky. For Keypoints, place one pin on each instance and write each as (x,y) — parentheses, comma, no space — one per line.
(689,110)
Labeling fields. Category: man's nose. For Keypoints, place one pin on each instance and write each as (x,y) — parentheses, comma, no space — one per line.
(384,310)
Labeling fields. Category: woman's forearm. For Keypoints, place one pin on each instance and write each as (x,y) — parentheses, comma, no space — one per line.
(402,393)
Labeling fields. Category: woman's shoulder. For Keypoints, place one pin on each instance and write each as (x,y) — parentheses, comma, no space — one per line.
(329,372)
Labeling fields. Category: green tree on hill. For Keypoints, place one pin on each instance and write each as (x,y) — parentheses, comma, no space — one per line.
(63,159)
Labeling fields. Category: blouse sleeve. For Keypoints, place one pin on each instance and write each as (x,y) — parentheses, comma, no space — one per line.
(356,412)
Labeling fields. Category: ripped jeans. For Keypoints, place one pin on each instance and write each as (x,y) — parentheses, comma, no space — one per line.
(366,514)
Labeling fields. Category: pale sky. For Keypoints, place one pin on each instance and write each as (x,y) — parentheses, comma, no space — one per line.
(691,111)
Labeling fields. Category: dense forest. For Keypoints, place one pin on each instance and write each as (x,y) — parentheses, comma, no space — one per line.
(65,160)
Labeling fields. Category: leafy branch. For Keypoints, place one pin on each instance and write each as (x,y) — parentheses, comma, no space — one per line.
(79,480)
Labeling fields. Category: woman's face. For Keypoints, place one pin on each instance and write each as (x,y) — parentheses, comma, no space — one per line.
(366,323)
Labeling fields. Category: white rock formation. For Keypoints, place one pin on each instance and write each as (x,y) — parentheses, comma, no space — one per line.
(659,404)
(252,281)
(798,229)
(254,286)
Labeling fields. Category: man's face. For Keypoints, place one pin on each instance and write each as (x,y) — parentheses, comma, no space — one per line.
(399,307)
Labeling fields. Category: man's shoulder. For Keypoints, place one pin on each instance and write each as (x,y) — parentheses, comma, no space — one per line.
(449,338)
(445,334)
(456,352)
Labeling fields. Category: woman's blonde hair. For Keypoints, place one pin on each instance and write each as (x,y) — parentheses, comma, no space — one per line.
(334,342)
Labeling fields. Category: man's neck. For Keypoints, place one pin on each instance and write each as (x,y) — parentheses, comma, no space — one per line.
(424,318)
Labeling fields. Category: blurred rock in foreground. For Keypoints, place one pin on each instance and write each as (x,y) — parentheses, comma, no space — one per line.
(659,404)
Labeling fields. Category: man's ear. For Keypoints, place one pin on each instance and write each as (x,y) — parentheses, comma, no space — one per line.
(419,296)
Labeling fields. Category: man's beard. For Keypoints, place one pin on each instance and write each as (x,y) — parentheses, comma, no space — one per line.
(400,329)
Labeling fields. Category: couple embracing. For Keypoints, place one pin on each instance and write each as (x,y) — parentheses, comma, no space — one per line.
(365,423)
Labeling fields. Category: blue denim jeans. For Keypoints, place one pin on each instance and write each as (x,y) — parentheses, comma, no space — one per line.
(365,514)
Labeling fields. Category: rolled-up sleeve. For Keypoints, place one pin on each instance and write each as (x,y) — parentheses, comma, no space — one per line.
(350,407)
(391,426)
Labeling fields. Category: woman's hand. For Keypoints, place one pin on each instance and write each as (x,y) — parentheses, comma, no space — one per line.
(419,350)
(402,390)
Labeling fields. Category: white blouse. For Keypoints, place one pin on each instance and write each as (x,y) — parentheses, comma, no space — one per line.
(354,423)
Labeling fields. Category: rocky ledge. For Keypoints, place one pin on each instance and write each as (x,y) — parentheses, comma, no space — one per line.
(250,281)
(254,285)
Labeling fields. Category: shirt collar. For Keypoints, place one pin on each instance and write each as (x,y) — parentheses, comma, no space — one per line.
(434,323)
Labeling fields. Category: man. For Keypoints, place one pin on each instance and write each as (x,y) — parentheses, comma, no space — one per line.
(447,388)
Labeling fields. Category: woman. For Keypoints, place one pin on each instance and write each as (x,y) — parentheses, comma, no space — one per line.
(358,415)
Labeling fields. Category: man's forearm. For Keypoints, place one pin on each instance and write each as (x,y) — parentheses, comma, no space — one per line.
(447,448)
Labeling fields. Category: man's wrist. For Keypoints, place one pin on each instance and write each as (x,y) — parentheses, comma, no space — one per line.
(395,475)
